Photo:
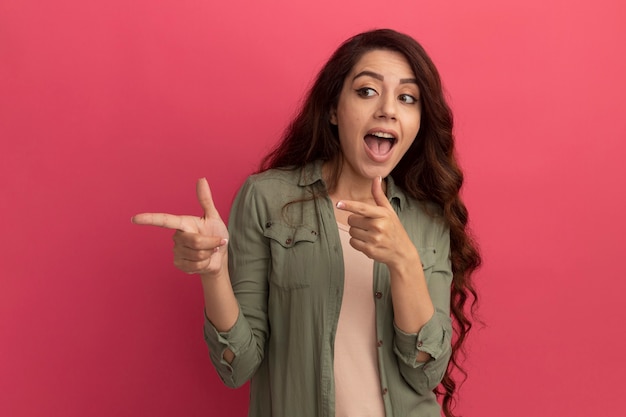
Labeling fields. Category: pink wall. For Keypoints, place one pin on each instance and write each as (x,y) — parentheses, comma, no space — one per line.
(108,108)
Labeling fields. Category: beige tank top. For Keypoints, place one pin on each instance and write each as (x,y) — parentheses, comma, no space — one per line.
(357,379)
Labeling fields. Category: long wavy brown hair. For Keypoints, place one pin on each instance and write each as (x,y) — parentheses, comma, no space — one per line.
(428,171)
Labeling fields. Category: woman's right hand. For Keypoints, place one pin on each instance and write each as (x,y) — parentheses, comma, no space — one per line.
(199,242)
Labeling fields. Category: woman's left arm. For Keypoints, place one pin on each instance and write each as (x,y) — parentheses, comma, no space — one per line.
(420,288)
(424,354)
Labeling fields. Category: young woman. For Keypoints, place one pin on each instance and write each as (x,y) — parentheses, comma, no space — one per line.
(347,256)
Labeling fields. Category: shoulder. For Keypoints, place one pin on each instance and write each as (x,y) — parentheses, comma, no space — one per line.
(273,177)
(275,188)
(274,185)
(291,183)
(270,196)
(424,210)
(407,205)
(423,220)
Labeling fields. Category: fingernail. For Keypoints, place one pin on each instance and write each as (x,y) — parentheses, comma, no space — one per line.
(380,178)
(341,204)
(223,242)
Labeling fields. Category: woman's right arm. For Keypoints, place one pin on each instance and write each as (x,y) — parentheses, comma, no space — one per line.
(201,247)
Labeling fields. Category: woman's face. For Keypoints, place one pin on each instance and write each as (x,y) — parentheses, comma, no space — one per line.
(378,114)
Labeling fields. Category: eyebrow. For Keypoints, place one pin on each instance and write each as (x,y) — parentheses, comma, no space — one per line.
(381,78)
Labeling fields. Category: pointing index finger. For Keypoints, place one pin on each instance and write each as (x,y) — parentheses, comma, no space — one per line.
(165,220)
(356,207)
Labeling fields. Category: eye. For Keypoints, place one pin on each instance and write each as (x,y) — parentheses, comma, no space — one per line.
(366,92)
(408,99)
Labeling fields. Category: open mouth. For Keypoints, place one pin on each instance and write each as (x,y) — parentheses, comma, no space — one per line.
(380,143)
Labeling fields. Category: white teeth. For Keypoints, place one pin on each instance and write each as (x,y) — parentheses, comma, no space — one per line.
(383,135)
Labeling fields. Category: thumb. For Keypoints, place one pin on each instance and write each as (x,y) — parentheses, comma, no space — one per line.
(206,199)
(378,193)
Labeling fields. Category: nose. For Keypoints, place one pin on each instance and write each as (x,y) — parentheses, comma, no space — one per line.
(386,106)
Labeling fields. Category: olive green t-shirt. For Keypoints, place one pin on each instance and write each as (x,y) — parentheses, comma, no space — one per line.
(286,268)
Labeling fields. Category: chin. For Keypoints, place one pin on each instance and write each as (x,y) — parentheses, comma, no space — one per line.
(378,172)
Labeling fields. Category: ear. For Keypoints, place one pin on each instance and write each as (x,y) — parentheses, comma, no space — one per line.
(333,116)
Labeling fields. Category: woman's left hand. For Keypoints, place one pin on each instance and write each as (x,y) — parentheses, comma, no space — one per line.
(377,231)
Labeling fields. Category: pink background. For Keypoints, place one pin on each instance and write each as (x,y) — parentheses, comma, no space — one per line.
(109,108)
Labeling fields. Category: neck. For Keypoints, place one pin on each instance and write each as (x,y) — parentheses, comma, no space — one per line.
(349,187)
